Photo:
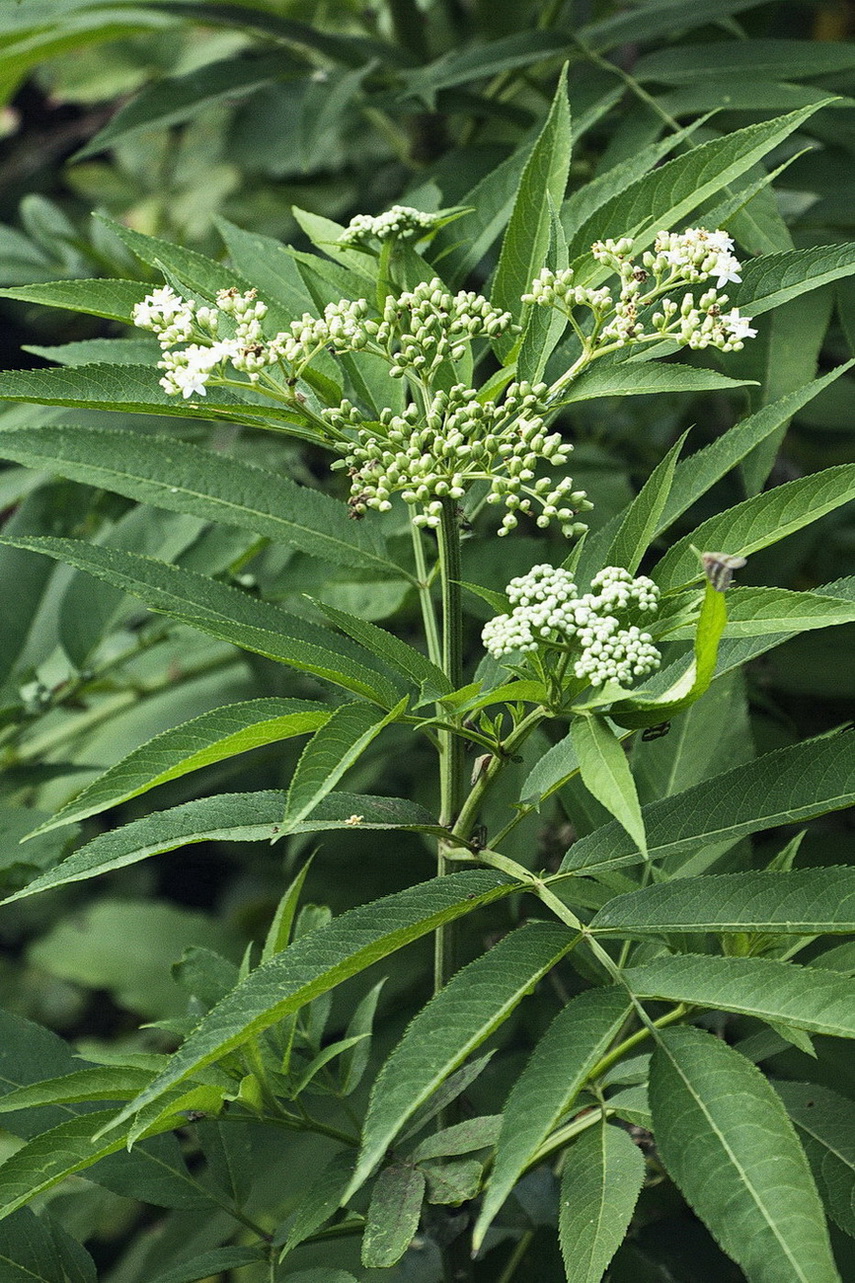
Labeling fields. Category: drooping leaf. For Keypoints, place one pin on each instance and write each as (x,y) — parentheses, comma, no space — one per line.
(756,58)
(185,478)
(215,736)
(460,1138)
(761,987)
(175,99)
(226,613)
(102,1082)
(321,1200)
(226,817)
(659,18)
(316,962)
(799,902)
(405,659)
(547,1087)
(457,1020)
(602,1179)
(783,787)
(725,1138)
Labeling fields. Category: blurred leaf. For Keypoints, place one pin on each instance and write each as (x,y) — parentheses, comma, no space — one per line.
(35,1249)
(824,1125)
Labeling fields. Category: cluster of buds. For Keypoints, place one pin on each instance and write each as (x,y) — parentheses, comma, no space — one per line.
(401,222)
(343,328)
(432,456)
(598,630)
(676,260)
(175,320)
(425,326)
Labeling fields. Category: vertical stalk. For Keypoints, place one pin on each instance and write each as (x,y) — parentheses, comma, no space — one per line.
(434,644)
(451,764)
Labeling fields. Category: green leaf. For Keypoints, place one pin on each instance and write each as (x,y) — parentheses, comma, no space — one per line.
(758,59)
(227,817)
(317,962)
(186,478)
(332,750)
(545,1090)
(460,247)
(226,613)
(215,736)
(757,612)
(759,522)
(800,902)
(453,1182)
(603,1175)
(210,1264)
(526,239)
(773,279)
(113,299)
(49,1158)
(694,476)
(725,1138)
(544,325)
(646,710)
(456,1021)
(665,196)
(783,787)
(628,379)
(461,1138)
(393,1215)
(405,659)
(606,774)
(550,771)
(131,389)
(354,1061)
(95,351)
(488,59)
(824,1124)
(659,18)
(175,99)
(101,1082)
(822,1003)
(322,1198)
(35,1249)
(641,520)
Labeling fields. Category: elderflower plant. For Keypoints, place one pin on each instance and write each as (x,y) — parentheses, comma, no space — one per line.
(449,437)
(598,631)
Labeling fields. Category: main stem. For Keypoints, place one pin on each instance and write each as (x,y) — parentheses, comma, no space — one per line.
(451,762)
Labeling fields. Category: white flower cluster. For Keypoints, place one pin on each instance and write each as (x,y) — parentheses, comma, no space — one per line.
(401,221)
(677,259)
(596,629)
(342,327)
(437,455)
(175,320)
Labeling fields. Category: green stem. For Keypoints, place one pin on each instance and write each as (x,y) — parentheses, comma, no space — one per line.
(451,763)
(423,580)
(522,1246)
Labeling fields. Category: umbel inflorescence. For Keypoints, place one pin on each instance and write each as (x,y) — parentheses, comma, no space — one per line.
(448,437)
(598,631)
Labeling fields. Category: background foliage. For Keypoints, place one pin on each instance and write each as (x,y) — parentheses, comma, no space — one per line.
(215,126)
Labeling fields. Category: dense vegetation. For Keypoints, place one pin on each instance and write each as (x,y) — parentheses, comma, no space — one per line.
(427,647)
